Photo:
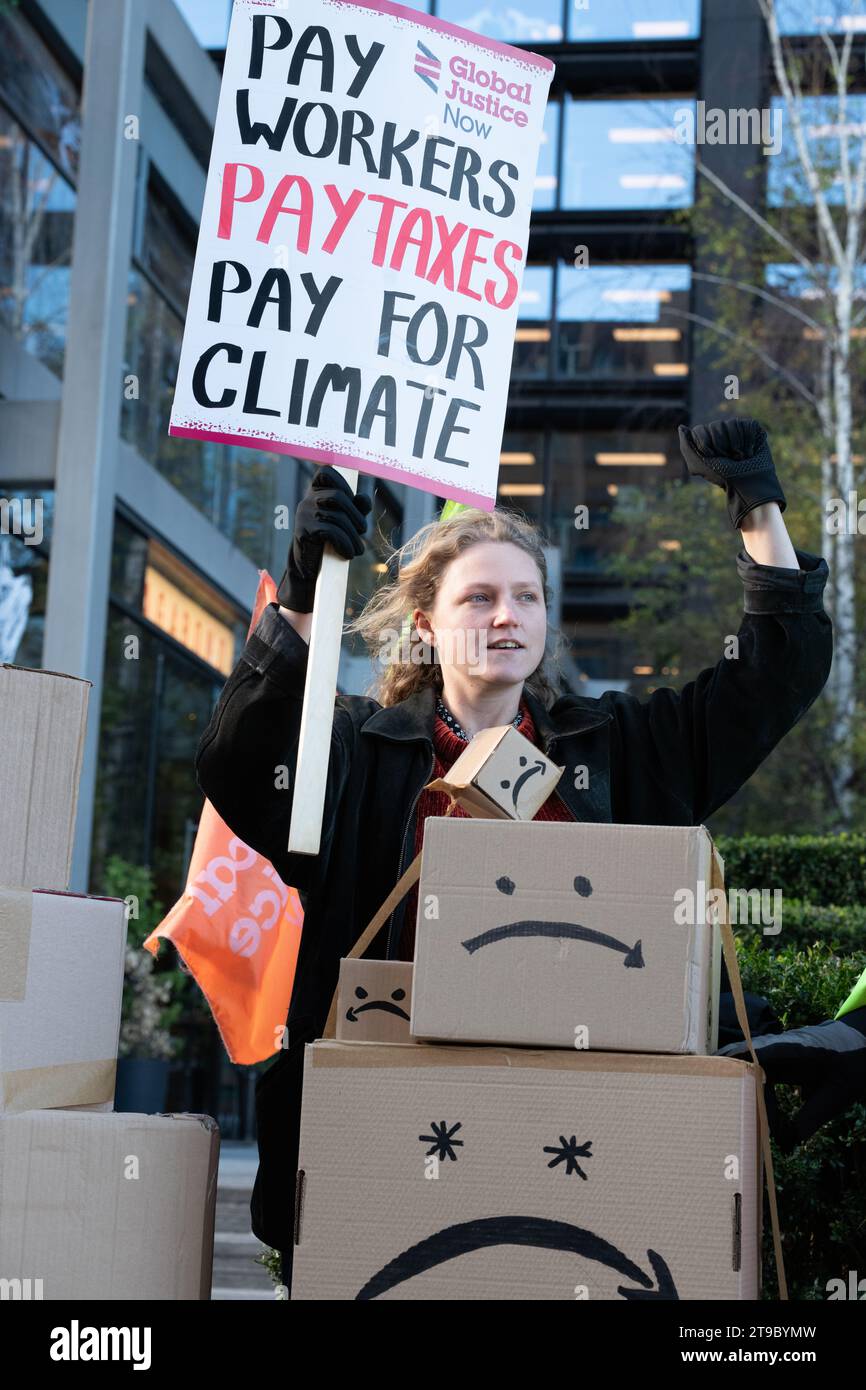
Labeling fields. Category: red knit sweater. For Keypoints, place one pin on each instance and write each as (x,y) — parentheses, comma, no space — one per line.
(447,747)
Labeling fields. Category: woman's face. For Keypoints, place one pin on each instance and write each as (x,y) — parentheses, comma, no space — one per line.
(491,592)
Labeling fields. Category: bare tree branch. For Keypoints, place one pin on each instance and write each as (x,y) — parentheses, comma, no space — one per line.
(756,217)
(748,346)
(749,288)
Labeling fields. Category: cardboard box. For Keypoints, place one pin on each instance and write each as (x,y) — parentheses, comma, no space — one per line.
(436,1172)
(108,1206)
(61,985)
(44,718)
(500,775)
(566,935)
(373,1001)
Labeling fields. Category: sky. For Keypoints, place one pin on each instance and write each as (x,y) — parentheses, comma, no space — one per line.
(208,19)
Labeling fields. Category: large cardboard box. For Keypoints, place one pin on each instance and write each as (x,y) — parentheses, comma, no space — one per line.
(435,1172)
(108,1206)
(567,935)
(61,987)
(43,716)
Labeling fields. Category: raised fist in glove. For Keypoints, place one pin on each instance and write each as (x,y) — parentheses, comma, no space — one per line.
(329,512)
(734,454)
(827,1061)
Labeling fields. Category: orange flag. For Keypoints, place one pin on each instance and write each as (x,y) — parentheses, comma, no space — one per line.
(237,927)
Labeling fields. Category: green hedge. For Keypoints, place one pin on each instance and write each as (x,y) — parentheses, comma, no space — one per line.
(821,1186)
(843,929)
(813,868)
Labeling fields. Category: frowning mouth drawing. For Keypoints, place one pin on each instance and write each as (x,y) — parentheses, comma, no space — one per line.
(532,926)
(453,1241)
(537,767)
(384,1005)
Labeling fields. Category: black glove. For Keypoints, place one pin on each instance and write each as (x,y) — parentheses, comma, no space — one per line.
(827,1061)
(735,455)
(328,512)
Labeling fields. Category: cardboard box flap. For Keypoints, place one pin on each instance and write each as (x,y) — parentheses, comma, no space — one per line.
(328,1052)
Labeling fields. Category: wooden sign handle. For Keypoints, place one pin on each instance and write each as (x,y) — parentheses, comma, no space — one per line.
(323,661)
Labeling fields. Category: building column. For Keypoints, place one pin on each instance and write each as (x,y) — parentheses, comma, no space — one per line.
(734,55)
(78,581)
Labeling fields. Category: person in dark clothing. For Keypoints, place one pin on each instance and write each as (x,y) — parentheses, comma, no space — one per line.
(671,759)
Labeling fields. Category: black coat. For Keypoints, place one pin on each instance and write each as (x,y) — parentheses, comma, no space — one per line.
(671,759)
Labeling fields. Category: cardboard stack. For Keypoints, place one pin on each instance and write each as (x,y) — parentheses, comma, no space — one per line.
(536,1112)
(93,1204)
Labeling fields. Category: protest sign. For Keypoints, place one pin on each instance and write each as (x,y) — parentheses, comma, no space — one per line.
(362,241)
(356,281)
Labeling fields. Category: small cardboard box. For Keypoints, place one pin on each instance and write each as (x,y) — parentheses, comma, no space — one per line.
(500,775)
(62,961)
(435,1172)
(44,716)
(373,1001)
(108,1206)
(567,935)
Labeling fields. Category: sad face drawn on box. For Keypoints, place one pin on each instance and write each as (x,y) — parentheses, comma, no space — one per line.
(388,1006)
(516,785)
(540,1232)
(531,926)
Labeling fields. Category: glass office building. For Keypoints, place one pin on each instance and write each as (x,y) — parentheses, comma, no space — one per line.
(164,537)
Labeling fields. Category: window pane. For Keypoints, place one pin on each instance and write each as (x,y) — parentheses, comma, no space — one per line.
(600,659)
(623,321)
(820,16)
(234,487)
(208,20)
(625,154)
(167,253)
(39,91)
(532,338)
(786,179)
(588,469)
(521,473)
(37,213)
(25,537)
(633,19)
(125,733)
(544,196)
(538,21)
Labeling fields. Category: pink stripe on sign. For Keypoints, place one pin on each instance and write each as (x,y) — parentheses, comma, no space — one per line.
(325,456)
(442,26)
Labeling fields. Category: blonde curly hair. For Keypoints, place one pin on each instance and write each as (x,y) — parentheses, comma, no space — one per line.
(420,566)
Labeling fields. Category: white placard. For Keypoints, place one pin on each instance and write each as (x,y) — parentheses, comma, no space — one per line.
(362,241)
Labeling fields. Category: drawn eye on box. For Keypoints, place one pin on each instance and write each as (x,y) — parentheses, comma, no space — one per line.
(632,953)
(483,1233)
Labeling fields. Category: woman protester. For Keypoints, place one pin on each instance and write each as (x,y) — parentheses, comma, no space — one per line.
(476,588)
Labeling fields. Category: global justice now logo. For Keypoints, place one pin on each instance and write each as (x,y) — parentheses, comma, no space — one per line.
(473,88)
(427,66)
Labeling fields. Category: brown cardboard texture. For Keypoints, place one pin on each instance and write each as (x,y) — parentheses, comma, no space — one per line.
(437,1172)
(500,775)
(44,720)
(108,1206)
(374,1001)
(566,935)
(62,961)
